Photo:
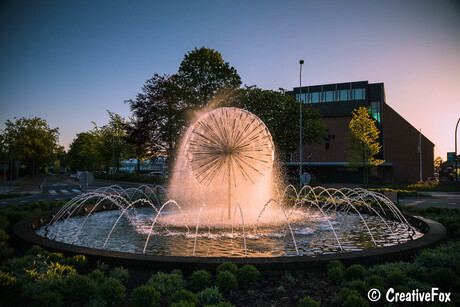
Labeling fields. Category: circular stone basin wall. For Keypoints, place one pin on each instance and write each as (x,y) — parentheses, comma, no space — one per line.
(434,233)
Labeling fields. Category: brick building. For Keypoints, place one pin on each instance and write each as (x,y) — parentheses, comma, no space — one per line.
(399,139)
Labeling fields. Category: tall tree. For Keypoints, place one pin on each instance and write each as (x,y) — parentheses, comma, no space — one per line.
(158,117)
(30,140)
(362,141)
(437,164)
(202,73)
(83,152)
(277,110)
(112,140)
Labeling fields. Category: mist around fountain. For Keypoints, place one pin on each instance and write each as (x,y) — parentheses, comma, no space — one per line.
(239,159)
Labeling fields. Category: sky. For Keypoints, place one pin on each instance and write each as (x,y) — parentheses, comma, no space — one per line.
(70,61)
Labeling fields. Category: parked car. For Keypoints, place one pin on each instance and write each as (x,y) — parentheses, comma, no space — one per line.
(73,175)
(159,174)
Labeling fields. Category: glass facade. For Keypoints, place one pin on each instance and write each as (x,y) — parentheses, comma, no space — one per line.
(344,95)
(331,96)
(315,97)
(359,94)
(375,110)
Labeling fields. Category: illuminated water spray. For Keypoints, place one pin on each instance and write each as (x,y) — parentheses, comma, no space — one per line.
(229,146)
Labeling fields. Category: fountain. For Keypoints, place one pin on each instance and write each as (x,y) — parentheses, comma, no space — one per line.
(224,202)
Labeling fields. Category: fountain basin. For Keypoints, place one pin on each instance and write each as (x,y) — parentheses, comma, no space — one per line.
(433,234)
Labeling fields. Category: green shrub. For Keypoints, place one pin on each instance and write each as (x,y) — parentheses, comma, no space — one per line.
(49,298)
(8,283)
(248,275)
(97,301)
(120,273)
(444,278)
(355,271)
(355,300)
(288,278)
(227,266)
(112,291)
(335,275)
(226,282)
(375,281)
(397,278)
(335,263)
(35,250)
(183,296)
(97,276)
(145,296)
(102,266)
(200,280)
(417,284)
(348,298)
(209,296)
(5,251)
(177,272)
(182,304)
(225,304)
(3,236)
(417,273)
(447,256)
(79,262)
(4,222)
(308,302)
(79,288)
(359,286)
(167,284)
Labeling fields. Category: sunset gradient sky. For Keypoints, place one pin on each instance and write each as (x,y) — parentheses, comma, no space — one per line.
(70,61)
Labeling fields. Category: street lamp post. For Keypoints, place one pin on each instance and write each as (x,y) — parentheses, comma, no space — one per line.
(456,166)
(300,121)
(11,171)
(309,157)
(113,157)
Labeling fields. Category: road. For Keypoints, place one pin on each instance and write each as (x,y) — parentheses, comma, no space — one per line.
(58,187)
(439,200)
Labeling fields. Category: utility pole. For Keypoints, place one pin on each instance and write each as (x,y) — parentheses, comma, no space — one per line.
(11,171)
(113,157)
(300,120)
(420,152)
(456,166)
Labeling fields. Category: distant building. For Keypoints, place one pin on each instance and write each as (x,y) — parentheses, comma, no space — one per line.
(399,139)
(156,165)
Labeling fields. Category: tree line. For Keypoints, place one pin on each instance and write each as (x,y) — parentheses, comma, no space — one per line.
(161,113)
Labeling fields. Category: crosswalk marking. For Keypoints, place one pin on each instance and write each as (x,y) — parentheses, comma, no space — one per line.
(64,191)
(76,191)
(53,192)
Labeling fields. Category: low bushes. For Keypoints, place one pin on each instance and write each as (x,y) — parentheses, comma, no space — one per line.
(144,296)
(308,302)
(167,284)
(226,281)
(200,280)
(437,267)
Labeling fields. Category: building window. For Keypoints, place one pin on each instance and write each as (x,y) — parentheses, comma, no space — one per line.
(315,97)
(344,95)
(359,94)
(304,97)
(375,110)
(326,145)
(329,96)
